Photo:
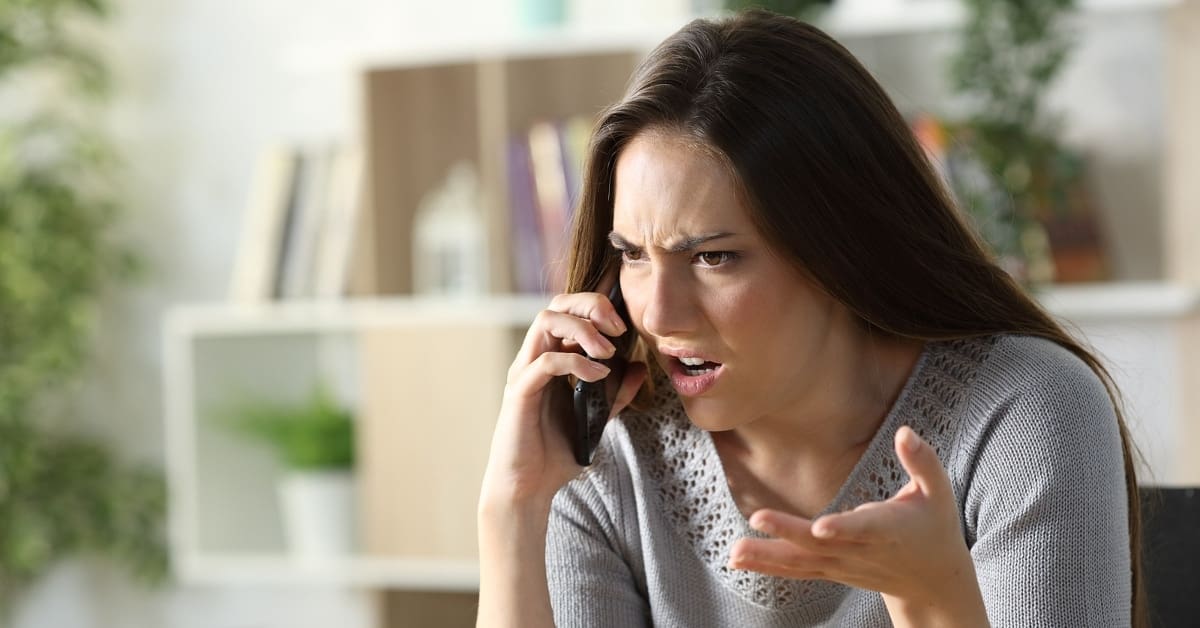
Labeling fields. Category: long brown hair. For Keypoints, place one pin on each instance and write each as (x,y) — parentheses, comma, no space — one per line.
(834,179)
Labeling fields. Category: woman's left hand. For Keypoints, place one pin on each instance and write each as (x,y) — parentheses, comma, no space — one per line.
(909,548)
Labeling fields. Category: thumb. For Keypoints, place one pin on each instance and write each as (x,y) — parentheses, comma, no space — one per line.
(921,462)
(635,374)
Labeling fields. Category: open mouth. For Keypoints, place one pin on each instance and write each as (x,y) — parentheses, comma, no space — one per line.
(695,367)
(694,376)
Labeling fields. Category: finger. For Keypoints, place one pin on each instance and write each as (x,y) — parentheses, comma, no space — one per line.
(635,374)
(533,379)
(551,328)
(780,558)
(869,522)
(591,306)
(921,463)
(796,530)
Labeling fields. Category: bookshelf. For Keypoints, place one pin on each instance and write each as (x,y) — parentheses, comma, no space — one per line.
(430,418)
(425,107)
(405,364)
(418,120)
(426,379)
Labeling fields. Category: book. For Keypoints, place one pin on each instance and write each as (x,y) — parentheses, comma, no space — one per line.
(305,224)
(528,259)
(272,192)
(335,252)
(577,131)
(551,195)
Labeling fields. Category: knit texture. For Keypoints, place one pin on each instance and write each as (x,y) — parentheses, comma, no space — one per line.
(1028,437)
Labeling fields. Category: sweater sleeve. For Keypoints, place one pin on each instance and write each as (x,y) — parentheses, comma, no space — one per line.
(1046,508)
(591,582)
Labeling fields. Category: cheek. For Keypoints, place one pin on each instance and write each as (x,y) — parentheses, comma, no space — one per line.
(775,331)
(754,315)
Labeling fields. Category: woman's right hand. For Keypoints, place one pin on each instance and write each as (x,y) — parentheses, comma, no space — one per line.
(530,456)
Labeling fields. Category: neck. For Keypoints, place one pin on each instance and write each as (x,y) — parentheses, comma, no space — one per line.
(847,401)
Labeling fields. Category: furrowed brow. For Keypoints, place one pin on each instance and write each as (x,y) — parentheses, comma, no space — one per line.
(684,244)
(689,243)
(620,243)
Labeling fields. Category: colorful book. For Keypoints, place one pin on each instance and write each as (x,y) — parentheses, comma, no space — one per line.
(528,258)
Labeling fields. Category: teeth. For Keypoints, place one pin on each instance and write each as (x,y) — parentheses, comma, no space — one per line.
(692,361)
(695,372)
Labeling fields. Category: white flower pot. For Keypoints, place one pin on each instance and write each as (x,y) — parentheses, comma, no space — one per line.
(319,514)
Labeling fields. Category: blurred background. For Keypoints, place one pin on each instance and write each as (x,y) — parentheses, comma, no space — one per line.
(263,265)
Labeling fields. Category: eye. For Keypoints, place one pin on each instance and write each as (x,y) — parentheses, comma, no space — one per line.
(713,259)
(631,255)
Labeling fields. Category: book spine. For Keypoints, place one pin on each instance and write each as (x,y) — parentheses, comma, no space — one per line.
(545,150)
(528,258)
(256,265)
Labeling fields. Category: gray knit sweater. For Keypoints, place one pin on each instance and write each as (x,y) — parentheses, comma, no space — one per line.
(1024,428)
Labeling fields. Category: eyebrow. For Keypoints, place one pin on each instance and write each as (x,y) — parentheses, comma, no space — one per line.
(687,243)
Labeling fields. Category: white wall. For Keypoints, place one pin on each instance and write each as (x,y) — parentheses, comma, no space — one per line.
(206,83)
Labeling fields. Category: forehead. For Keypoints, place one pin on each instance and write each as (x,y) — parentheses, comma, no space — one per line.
(667,187)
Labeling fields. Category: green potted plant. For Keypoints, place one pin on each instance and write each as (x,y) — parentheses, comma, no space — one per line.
(314,441)
(61,493)
(1033,206)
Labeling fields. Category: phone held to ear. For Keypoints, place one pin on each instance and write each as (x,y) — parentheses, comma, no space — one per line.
(594,400)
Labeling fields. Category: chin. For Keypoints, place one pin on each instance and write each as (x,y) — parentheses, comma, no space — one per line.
(711,415)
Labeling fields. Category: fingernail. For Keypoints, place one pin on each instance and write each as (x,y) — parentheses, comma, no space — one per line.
(619,325)
(822,531)
(598,367)
(912,442)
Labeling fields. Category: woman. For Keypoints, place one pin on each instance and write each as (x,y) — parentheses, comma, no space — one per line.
(850,414)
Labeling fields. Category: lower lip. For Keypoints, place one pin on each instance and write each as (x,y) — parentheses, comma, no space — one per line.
(693,385)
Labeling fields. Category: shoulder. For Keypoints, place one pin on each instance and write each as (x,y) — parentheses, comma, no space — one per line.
(1040,477)
(1038,421)
(1041,385)
(1039,362)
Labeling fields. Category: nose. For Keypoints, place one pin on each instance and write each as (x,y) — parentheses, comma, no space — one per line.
(664,304)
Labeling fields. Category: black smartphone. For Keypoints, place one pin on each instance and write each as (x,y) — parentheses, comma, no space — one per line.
(594,400)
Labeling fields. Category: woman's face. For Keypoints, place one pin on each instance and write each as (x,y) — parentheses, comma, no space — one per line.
(701,284)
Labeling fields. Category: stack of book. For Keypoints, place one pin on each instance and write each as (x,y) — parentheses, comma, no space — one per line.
(297,239)
(544,174)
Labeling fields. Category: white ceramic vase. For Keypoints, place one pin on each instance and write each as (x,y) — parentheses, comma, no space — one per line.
(319,514)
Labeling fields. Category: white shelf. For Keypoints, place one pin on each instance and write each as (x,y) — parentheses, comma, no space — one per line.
(564,41)
(228,319)
(386,573)
(1148,300)
(915,16)
(1109,300)
(891,18)
(1099,301)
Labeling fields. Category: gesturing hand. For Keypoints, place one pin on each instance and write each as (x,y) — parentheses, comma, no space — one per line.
(909,547)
